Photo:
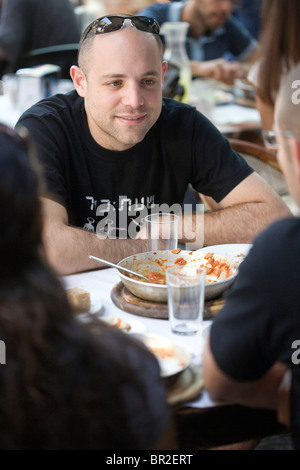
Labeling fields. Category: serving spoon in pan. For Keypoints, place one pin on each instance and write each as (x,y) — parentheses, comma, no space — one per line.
(119,267)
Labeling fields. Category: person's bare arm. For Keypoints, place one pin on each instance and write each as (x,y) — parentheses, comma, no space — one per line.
(284,399)
(253,56)
(68,248)
(245,212)
(260,393)
(219,69)
(266,112)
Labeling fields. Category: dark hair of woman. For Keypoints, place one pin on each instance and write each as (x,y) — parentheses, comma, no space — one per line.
(61,387)
(279,45)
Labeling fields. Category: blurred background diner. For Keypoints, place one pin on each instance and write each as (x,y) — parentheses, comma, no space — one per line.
(217,44)
(27,25)
(248,12)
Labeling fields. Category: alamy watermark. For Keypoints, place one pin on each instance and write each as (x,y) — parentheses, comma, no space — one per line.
(296,94)
(296,354)
(127,220)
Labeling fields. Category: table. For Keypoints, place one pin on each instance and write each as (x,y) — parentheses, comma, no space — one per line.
(8,114)
(201,423)
(232,119)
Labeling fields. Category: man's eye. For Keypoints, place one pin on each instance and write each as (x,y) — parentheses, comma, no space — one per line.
(149,81)
(115,83)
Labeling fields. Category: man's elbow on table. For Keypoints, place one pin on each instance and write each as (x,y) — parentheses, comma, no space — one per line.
(55,235)
(255,189)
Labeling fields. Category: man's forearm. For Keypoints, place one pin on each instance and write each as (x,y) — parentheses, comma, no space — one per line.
(240,223)
(68,249)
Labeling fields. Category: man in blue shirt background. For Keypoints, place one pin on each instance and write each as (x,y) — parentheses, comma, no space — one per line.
(214,36)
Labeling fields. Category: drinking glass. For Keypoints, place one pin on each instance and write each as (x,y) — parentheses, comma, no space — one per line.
(162,231)
(186,292)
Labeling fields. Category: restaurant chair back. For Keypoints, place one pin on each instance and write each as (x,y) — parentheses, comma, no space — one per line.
(265,163)
(64,55)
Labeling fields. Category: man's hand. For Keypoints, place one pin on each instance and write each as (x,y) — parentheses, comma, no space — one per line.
(219,69)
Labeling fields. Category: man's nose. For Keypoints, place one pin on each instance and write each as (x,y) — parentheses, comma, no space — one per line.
(133,95)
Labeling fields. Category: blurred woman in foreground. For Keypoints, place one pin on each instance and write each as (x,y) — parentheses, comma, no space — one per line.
(61,386)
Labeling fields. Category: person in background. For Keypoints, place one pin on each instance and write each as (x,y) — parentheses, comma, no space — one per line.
(217,45)
(62,386)
(114,7)
(114,150)
(248,13)
(260,322)
(33,24)
(279,52)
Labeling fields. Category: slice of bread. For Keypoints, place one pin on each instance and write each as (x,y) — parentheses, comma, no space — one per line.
(79,299)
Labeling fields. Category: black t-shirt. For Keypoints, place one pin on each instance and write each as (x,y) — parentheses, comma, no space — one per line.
(260,322)
(101,187)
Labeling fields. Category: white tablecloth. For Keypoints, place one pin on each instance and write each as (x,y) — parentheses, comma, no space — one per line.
(100,283)
(235,114)
(229,115)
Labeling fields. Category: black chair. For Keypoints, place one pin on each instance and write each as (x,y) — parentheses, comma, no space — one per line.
(63,55)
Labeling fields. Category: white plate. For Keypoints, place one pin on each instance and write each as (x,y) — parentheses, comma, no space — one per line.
(223,97)
(236,252)
(95,309)
(173,358)
(136,327)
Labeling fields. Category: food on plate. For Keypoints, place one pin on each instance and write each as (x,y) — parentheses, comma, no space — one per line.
(79,299)
(221,96)
(176,251)
(169,362)
(217,267)
(180,261)
(157,278)
(119,323)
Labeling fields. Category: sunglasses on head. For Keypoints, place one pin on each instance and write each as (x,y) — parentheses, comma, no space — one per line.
(109,23)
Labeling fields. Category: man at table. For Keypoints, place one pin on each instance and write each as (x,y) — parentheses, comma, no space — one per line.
(214,36)
(260,322)
(113,151)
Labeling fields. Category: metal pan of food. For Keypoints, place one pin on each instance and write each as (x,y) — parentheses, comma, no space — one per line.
(154,264)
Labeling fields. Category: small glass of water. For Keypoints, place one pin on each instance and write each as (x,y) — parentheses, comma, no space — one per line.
(162,231)
(186,292)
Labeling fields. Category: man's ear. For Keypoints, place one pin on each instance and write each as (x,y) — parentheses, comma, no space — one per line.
(79,80)
(295,150)
(164,67)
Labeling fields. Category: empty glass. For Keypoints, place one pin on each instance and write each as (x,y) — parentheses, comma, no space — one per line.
(186,292)
(162,231)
